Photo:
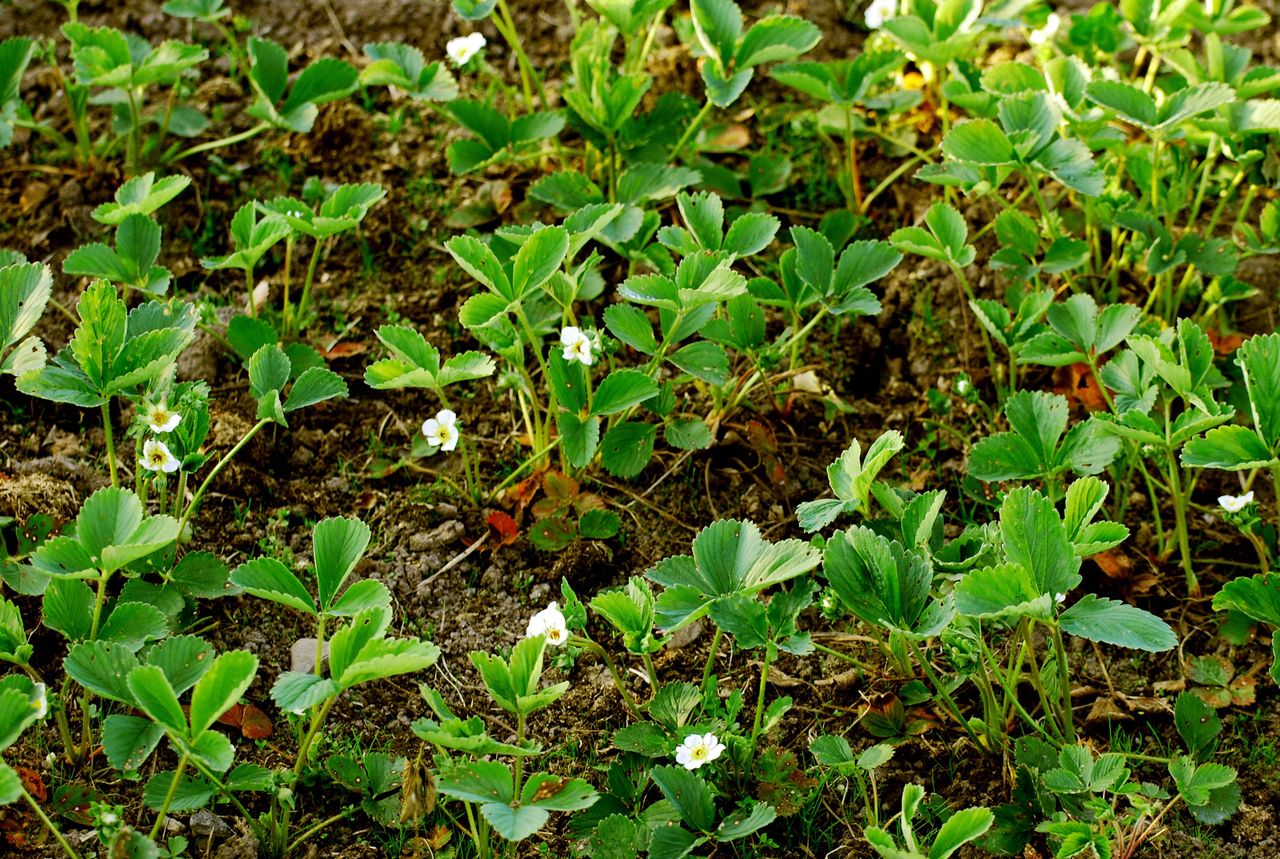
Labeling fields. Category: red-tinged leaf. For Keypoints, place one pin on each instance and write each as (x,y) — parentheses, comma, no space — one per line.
(505,530)
(345,349)
(1115,565)
(1077,384)
(1224,344)
(33,783)
(256,724)
(523,492)
(249,719)
(765,444)
(72,801)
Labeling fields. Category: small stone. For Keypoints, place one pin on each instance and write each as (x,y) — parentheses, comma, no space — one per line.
(302,655)
(442,534)
(206,824)
(685,636)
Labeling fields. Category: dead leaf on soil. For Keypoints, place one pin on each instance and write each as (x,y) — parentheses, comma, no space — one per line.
(1077,384)
(253,723)
(504,528)
(33,195)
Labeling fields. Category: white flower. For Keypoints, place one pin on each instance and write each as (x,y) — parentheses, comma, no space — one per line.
(550,623)
(109,819)
(442,430)
(1235,503)
(160,419)
(1046,33)
(880,11)
(698,749)
(156,457)
(463,48)
(577,345)
(41,701)
(963,387)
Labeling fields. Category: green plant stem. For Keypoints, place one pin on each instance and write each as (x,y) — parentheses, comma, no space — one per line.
(239,62)
(48,824)
(317,722)
(506,25)
(288,271)
(304,300)
(519,767)
(111,443)
(1064,683)
(856,663)
(546,376)
(248,290)
(132,145)
(942,692)
(758,722)
(599,651)
(694,125)
(519,469)
(323,824)
(884,183)
(217,469)
(855,179)
(169,795)
(651,671)
(711,657)
(59,712)
(222,141)
(986,338)
(1180,523)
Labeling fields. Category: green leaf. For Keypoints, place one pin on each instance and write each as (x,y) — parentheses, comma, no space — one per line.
(631,326)
(538,258)
(1113,622)
(1232,447)
(1130,102)
(627,448)
(621,390)
(776,38)
(24,291)
(128,741)
(103,669)
(1259,358)
(1002,591)
(1257,597)
(479,261)
(269,579)
(718,25)
(479,782)
(153,694)
(315,385)
(704,361)
(338,544)
(68,608)
(1035,539)
(959,829)
(1198,725)
(221,686)
(742,823)
(578,438)
(184,659)
(191,792)
(750,233)
(514,823)
(978,141)
(688,793)
(133,624)
(298,692)
(882,583)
